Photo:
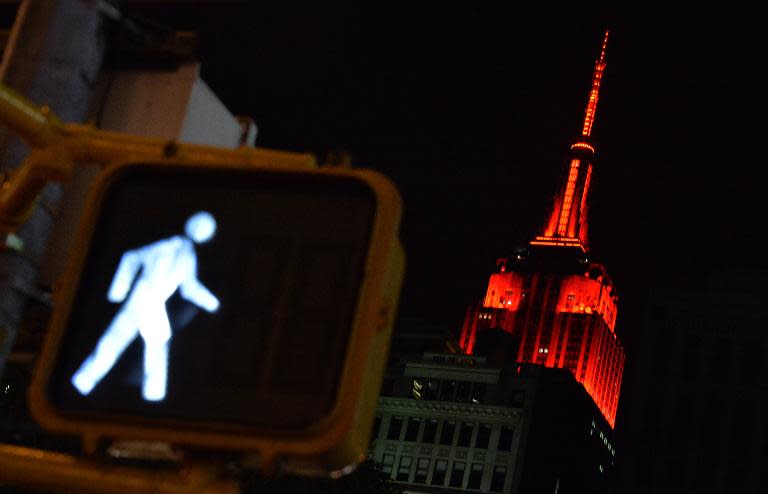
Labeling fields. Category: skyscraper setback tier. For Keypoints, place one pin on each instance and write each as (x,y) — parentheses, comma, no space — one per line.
(558,305)
(562,313)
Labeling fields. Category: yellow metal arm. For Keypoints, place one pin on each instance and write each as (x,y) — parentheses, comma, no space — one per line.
(38,126)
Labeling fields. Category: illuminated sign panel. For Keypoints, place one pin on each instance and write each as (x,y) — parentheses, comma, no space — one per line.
(160,269)
(226,297)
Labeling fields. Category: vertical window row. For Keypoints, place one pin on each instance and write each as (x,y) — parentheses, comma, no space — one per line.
(404,469)
(395,426)
(430,431)
(483,436)
(412,429)
(422,467)
(505,438)
(438,475)
(475,476)
(457,474)
(446,434)
(387,462)
(498,478)
(465,434)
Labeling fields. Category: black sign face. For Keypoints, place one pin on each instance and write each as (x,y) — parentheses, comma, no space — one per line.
(215,296)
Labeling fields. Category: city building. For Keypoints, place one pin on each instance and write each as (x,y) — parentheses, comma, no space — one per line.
(525,401)
(552,296)
(454,422)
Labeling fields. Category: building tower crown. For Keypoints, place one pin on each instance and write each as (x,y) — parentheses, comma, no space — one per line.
(567,224)
(550,306)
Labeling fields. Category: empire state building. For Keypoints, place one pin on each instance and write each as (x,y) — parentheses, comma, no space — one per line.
(556,302)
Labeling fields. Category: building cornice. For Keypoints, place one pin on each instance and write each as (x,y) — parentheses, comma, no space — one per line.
(408,406)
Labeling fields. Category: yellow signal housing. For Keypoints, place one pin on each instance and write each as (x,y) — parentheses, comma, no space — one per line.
(307,266)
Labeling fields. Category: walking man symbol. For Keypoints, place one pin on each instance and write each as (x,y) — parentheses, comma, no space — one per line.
(166,266)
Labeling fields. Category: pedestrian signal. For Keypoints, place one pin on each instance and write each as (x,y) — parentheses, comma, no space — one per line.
(227,307)
(160,269)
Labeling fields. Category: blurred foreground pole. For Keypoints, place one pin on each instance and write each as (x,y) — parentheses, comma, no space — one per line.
(53,57)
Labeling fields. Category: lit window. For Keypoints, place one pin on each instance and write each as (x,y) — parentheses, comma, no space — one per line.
(418,386)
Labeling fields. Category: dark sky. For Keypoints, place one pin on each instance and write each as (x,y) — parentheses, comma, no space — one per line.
(471,112)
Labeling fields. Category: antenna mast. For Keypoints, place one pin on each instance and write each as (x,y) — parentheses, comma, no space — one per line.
(589,117)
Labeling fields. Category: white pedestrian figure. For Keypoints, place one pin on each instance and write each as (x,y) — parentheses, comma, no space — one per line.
(166,265)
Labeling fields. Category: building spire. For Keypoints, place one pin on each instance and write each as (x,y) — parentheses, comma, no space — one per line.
(589,117)
(567,225)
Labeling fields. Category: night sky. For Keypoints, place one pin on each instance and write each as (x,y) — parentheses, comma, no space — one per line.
(471,112)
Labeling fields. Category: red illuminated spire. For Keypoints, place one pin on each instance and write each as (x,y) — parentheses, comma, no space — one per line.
(589,117)
(567,225)
(559,308)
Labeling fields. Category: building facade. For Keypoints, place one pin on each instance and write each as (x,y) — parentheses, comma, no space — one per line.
(455,423)
(527,401)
